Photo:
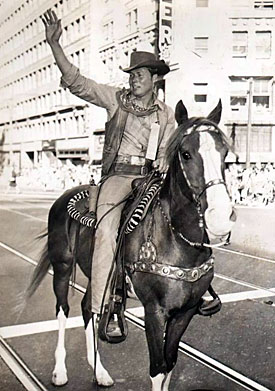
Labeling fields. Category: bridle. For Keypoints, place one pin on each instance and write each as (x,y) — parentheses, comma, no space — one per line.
(212,182)
(197,200)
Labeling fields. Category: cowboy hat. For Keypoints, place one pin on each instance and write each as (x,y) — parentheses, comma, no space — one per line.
(147,60)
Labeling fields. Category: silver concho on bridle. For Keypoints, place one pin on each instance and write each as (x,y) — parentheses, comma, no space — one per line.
(148,252)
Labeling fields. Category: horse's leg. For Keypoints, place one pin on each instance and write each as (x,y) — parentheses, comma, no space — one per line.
(174,331)
(102,376)
(62,272)
(59,376)
(154,326)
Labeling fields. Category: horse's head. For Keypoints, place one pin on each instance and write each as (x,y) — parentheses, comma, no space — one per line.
(200,148)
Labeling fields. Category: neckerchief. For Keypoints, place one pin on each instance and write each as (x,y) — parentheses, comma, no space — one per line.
(127,103)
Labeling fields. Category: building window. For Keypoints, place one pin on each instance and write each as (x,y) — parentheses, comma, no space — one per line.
(261,90)
(132,21)
(261,139)
(201,3)
(264,4)
(201,45)
(108,31)
(263,44)
(237,101)
(200,94)
(239,44)
(200,98)
(261,93)
(238,94)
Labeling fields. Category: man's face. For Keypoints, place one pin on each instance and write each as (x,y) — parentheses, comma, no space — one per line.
(141,82)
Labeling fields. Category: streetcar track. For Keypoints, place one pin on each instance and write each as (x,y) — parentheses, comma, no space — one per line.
(184,348)
(245,254)
(19,368)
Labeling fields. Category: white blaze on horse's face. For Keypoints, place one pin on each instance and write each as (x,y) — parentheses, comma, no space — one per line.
(219,207)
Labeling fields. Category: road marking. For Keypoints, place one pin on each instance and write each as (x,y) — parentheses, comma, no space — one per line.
(19,368)
(17,253)
(137,311)
(20,330)
(245,255)
(23,214)
(77,321)
(244,283)
(247,295)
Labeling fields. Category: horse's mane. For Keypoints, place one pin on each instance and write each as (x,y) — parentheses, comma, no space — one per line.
(176,139)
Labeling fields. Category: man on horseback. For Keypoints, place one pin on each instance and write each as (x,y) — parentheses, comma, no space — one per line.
(137,130)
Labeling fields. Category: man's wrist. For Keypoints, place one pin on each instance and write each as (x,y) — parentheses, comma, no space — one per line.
(54,44)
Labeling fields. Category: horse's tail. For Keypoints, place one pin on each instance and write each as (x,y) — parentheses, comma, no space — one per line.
(39,272)
(38,275)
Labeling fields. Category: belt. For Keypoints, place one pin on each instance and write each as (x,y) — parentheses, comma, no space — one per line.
(133,160)
(131,169)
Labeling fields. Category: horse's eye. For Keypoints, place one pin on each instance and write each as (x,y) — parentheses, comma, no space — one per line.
(186,155)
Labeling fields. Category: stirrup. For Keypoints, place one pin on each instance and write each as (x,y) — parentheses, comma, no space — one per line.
(209,307)
(108,330)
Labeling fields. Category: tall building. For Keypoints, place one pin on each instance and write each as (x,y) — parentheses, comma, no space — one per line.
(37,116)
(216,49)
(225,49)
(39,120)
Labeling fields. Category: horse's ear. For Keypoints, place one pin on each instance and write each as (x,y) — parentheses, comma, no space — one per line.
(215,115)
(181,113)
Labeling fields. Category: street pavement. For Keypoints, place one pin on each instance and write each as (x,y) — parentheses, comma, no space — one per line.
(240,336)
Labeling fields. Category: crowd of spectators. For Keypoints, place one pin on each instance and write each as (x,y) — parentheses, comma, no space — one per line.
(253,186)
(56,176)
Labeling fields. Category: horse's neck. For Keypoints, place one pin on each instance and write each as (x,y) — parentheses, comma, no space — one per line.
(176,198)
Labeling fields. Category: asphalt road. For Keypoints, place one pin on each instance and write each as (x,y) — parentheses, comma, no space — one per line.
(241,336)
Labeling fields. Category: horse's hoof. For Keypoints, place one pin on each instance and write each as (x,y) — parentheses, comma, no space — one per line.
(104,379)
(59,380)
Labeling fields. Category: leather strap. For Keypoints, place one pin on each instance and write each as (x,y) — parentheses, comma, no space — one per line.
(131,169)
(174,272)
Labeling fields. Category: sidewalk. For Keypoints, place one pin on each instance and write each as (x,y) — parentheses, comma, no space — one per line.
(27,191)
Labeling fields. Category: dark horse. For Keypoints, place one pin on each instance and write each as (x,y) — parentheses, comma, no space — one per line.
(191,208)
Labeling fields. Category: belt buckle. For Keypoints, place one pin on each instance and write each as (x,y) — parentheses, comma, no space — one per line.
(144,170)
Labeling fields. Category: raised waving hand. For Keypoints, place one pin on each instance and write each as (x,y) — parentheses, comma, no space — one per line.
(52,26)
